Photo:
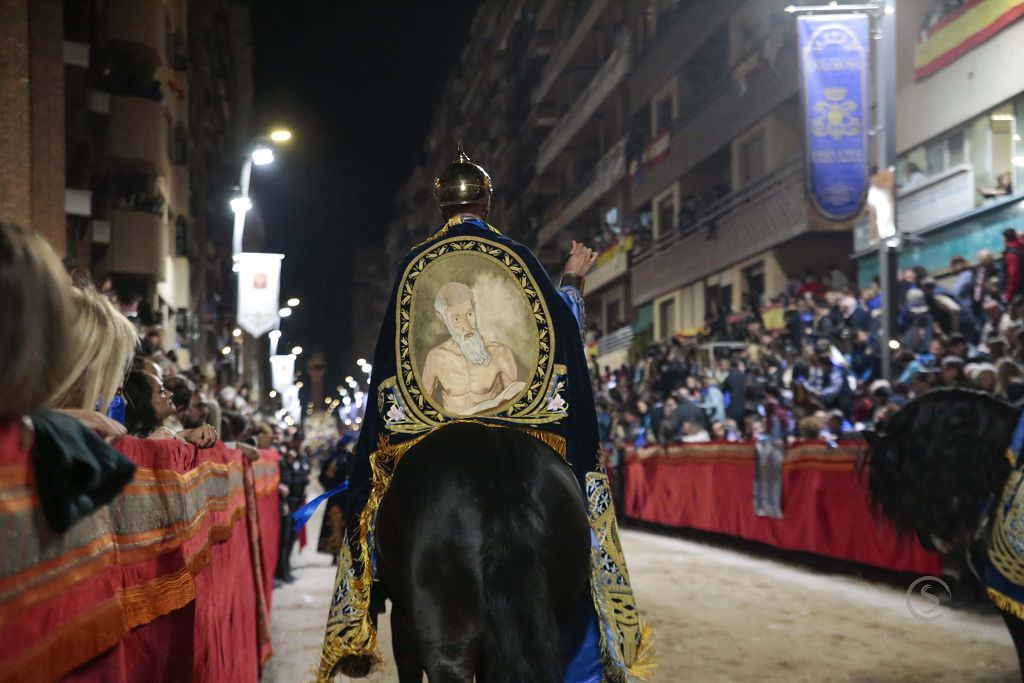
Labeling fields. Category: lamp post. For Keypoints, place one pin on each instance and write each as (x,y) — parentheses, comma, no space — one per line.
(883,17)
(261,154)
(254,267)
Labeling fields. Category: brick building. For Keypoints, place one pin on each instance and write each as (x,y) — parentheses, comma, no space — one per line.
(121,119)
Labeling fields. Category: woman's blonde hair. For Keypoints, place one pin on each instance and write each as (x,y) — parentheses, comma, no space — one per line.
(104,342)
(35,310)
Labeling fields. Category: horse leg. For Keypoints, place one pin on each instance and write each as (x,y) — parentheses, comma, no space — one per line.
(1016,627)
(405,649)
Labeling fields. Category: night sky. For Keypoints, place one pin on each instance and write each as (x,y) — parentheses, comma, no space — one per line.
(358,83)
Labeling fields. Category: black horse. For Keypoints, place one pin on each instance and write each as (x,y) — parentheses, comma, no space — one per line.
(937,468)
(483,545)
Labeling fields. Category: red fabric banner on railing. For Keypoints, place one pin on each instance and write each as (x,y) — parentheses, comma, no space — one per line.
(159,585)
(825,505)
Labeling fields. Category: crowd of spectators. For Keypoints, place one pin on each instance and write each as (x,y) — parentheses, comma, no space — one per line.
(81,373)
(808,364)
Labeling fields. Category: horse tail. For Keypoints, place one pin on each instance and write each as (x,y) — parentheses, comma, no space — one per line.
(517,590)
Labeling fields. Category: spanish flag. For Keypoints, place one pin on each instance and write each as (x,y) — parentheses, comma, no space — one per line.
(961,31)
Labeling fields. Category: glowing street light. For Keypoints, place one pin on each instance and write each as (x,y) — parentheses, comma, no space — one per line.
(281,135)
(240,205)
(299,385)
(236,333)
(261,156)
(226,350)
(361,362)
(297,350)
(285,312)
(273,394)
(293,302)
(348,380)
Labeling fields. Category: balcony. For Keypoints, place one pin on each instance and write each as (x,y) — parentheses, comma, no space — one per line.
(608,77)
(138,243)
(609,170)
(762,215)
(138,132)
(139,26)
(568,48)
(688,31)
(611,264)
(719,115)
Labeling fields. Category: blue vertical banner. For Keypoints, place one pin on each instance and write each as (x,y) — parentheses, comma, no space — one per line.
(835,71)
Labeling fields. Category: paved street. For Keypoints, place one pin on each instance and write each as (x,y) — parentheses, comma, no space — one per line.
(722,615)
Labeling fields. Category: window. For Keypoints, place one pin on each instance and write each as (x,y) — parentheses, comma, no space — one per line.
(663,107)
(955,149)
(753,282)
(935,153)
(613,314)
(667,318)
(752,158)
(665,213)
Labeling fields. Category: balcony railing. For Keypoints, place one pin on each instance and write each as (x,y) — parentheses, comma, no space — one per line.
(138,132)
(718,117)
(743,224)
(581,27)
(139,23)
(138,243)
(610,169)
(619,340)
(611,73)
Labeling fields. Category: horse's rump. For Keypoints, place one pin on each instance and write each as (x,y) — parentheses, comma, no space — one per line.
(484,546)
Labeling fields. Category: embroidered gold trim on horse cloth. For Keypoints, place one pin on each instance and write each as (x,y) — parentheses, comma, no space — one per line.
(473,338)
(627,642)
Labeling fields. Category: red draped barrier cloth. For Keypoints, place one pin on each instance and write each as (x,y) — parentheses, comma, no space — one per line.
(826,508)
(162,584)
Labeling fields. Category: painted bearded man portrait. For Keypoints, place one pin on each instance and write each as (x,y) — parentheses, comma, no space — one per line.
(468,373)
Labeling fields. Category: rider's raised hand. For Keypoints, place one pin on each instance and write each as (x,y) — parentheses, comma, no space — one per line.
(581,259)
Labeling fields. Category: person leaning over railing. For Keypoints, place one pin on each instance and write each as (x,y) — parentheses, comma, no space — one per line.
(148,405)
(76,470)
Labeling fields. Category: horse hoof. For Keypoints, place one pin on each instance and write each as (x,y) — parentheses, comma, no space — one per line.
(355,666)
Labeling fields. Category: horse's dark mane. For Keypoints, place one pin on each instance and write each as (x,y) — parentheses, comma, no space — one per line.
(934,465)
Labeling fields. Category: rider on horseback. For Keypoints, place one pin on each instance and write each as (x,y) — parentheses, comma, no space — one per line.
(476,332)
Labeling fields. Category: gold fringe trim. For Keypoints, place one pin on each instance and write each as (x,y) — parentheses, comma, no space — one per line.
(627,640)
(1005,603)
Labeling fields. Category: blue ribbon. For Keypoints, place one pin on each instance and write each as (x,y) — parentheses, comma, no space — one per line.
(302,515)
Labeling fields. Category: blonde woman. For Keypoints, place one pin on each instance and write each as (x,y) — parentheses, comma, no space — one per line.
(76,471)
(103,342)
(34,319)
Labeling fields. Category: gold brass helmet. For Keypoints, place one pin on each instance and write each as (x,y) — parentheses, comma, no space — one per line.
(461,184)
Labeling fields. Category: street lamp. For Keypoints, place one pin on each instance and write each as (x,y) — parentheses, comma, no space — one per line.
(285,312)
(293,302)
(297,350)
(261,156)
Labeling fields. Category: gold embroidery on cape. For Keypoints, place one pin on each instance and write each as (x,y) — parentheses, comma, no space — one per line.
(627,641)
(529,407)
(1006,549)
(452,222)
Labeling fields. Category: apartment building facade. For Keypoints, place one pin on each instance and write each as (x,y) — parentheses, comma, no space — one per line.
(958,135)
(99,154)
(665,133)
